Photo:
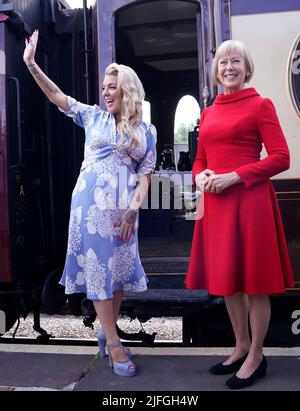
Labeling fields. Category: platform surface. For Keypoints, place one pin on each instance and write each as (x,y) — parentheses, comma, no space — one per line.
(36,368)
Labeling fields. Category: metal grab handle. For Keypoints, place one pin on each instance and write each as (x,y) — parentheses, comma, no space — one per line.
(18,97)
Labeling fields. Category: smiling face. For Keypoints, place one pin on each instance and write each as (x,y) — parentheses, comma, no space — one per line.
(232,72)
(112,95)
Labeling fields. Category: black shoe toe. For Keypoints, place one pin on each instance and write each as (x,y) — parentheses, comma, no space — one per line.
(221,369)
(236,383)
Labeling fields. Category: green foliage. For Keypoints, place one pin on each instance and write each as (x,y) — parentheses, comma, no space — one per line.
(181,135)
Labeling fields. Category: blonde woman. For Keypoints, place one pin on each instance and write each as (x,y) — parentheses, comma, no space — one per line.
(102,256)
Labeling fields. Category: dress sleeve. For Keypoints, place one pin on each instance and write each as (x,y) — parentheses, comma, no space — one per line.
(278,159)
(79,112)
(200,160)
(147,165)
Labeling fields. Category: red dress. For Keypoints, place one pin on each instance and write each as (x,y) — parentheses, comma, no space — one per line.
(239,244)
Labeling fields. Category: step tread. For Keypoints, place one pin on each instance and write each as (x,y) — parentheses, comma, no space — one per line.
(168,295)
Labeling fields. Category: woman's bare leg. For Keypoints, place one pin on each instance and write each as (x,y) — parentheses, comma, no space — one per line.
(106,314)
(238,310)
(117,300)
(260,313)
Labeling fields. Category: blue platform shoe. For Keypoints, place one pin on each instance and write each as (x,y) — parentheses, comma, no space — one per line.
(102,344)
(126,368)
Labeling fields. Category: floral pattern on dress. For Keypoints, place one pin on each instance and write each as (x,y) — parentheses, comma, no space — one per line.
(82,114)
(70,286)
(122,263)
(102,222)
(80,186)
(136,286)
(74,231)
(107,166)
(94,273)
(148,160)
(97,140)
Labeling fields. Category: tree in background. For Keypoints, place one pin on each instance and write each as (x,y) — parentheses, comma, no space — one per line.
(181,134)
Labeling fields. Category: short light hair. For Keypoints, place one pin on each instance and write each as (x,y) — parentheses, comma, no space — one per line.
(225,49)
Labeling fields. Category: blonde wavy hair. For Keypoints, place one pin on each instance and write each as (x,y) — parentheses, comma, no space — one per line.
(133,95)
(225,49)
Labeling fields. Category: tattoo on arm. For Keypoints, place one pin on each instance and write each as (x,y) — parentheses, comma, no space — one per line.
(33,70)
(131,216)
(43,79)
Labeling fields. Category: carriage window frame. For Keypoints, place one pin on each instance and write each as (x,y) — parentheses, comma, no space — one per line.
(196,117)
(146,110)
(294,78)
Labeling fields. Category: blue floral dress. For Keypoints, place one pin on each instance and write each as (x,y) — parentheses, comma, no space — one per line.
(98,263)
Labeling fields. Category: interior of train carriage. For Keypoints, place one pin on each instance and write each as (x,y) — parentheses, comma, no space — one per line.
(160,41)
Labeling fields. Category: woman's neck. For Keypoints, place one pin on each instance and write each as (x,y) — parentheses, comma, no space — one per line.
(230,90)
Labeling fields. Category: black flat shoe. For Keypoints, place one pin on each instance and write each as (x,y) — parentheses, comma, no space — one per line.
(221,369)
(235,382)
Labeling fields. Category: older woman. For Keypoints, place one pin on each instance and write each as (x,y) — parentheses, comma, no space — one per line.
(102,256)
(239,249)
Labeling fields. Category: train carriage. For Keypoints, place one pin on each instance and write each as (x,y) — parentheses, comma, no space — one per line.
(170,44)
(40,154)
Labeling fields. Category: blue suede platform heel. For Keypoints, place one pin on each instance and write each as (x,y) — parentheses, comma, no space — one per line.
(126,368)
(102,344)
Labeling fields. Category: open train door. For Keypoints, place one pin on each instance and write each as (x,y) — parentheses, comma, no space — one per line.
(5,257)
(35,183)
(5,254)
(277,76)
(21,239)
(165,41)
(169,44)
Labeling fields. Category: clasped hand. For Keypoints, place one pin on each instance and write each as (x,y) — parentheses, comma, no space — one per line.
(211,182)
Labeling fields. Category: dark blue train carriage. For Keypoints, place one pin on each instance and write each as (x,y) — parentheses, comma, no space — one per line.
(170,43)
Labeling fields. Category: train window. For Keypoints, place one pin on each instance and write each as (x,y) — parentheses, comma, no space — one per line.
(146,107)
(186,116)
(294,74)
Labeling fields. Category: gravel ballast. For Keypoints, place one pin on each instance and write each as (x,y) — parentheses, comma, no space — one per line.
(69,326)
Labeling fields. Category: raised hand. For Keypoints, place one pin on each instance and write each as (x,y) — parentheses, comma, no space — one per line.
(54,94)
(30,47)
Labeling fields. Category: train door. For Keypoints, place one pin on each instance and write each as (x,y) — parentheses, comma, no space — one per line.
(5,256)
(168,44)
(21,243)
(40,155)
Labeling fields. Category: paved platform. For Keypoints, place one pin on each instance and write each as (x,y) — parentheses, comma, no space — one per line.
(46,368)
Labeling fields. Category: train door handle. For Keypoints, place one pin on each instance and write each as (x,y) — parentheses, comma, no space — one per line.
(18,99)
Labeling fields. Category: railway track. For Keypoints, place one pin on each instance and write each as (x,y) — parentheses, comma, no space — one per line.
(69,330)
